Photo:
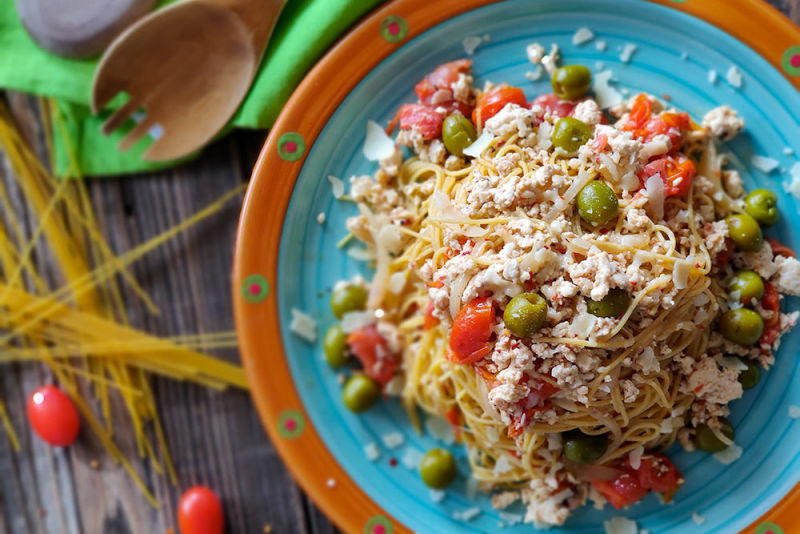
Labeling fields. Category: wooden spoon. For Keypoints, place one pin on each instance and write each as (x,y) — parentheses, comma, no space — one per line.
(188,66)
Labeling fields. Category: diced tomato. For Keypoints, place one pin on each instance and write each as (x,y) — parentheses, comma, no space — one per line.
(677,173)
(658,473)
(373,352)
(600,143)
(623,490)
(430,320)
(453,416)
(491,102)
(640,113)
(440,80)
(779,249)
(673,125)
(426,119)
(489,377)
(472,329)
(771,302)
(446,74)
(554,105)
(517,426)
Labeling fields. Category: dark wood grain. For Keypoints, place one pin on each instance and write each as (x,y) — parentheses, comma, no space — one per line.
(216,438)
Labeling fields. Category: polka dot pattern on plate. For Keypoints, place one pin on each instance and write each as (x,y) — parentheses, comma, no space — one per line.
(255,288)
(768,528)
(291,146)
(791,61)
(378,525)
(394,28)
(291,424)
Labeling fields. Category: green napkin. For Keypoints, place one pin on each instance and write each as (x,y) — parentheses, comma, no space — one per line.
(305,30)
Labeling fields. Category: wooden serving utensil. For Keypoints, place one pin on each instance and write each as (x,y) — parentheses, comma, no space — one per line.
(188,67)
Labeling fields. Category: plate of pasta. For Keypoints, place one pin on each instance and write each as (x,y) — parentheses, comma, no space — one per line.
(525,265)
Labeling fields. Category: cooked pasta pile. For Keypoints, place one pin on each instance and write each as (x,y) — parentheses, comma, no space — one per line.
(568,301)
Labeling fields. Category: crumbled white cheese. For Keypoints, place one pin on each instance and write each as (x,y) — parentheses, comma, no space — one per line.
(712,76)
(331,482)
(794,411)
(731,362)
(734,76)
(411,458)
(535,53)
(601,45)
(627,52)
(550,61)
(788,151)
(729,455)
(470,44)
(582,35)
(467,515)
(393,440)
(510,519)
(502,466)
(321,217)
(371,451)
(337,186)
(535,74)
(605,95)
(303,325)
(476,149)
(698,519)
(439,428)
(764,164)
(794,185)
(635,457)
(377,145)
(396,282)
(437,496)
(620,525)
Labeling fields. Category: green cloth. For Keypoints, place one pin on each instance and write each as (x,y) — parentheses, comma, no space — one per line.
(305,30)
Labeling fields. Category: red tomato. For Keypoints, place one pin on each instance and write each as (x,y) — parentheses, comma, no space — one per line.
(623,490)
(472,328)
(491,102)
(430,320)
(373,352)
(200,512)
(53,416)
(657,473)
(771,301)
(446,74)
(554,105)
(424,118)
(677,173)
(640,113)
(779,249)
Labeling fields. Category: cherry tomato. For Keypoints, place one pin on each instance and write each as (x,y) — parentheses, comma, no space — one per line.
(373,352)
(554,105)
(658,473)
(472,328)
(491,102)
(640,113)
(677,173)
(623,490)
(200,512)
(53,416)
(771,301)
(424,118)
(430,320)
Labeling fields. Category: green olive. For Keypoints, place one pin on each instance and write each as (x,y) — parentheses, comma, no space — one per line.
(749,377)
(597,203)
(705,440)
(741,326)
(746,286)
(571,81)
(348,298)
(438,468)
(612,305)
(762,205)
(570,133)
(458,133)
(335,346)
(583,448)
(360,393)
(745,232)
(525,314)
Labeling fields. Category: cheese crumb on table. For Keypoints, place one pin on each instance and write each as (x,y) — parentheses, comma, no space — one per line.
(794,411)
(303,325)
(734,77)
(601,45)
(729,455)
(371,451)
(627,52)
(393,439)
(712,76)
(321,217)
(620,525)
(764,164)
(582,35)
(331,482)
(698,519)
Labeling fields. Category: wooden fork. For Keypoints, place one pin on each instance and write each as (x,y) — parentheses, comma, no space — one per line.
(188,66)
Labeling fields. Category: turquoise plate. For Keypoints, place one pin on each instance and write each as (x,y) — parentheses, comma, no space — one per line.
(673,57)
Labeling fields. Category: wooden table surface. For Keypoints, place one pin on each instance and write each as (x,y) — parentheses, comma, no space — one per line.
(216,438)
